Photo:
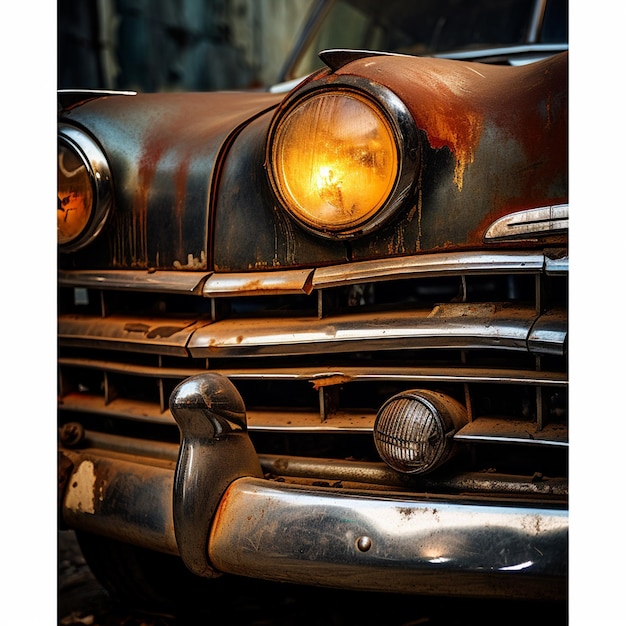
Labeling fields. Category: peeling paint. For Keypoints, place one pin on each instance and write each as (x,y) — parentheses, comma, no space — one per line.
(80,493)
(192,262)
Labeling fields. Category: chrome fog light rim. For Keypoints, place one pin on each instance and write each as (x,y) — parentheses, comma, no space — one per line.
(414,430)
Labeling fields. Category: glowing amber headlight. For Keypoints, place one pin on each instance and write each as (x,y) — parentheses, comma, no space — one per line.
(75,195)
(83,190)
(336,161)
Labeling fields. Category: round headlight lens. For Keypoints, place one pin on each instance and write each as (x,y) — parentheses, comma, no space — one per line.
(75,195)
(413,430)
(334,161)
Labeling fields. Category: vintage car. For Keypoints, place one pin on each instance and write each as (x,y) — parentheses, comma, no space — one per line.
(320,337)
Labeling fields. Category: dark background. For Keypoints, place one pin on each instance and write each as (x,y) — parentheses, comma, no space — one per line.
(175,45)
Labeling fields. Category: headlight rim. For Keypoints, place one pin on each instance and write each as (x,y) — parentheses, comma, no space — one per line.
(99,173)
(406,137)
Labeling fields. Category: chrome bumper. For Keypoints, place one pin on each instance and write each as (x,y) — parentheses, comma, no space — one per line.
(220,516)
(387,542)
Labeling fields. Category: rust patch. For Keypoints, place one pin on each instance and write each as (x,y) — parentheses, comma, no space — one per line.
(455,103)
(330,380)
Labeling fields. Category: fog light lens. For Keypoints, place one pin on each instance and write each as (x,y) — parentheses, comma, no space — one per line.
(414,430)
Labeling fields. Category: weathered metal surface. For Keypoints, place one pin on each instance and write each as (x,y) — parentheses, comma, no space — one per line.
(146,334)
(122,498)
(266,283)
(497,140)
(496,137)
(496,143)
(162,150)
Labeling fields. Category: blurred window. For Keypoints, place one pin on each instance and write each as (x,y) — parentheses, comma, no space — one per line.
(428,27)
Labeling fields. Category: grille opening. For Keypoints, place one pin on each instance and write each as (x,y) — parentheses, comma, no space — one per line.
(515,459)
(555,292)
(273,306)
(112,425)
(331,446)
(79,300)
(425,293)
(81,381)
(517,402)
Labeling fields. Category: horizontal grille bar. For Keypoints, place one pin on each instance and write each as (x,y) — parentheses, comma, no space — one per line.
(345,375)
(450,326)
(302,281)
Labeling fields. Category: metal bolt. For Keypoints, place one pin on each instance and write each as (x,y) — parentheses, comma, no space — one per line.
(363,544)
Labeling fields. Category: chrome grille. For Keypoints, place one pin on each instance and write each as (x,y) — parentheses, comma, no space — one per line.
(317,352)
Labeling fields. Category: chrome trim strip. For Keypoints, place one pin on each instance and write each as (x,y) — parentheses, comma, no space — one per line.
(70,97)
(431,265)
(343,376)
(510,431)
(549,334)
(557,266)
(263,283)
(441,328)
(530,223)
(351,536)
(136,280)
(486,53)
(451,326)
(336,58)
(135,410)
(304,281)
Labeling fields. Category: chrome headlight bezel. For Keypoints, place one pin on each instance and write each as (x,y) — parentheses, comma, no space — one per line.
(96,165)
(398,119)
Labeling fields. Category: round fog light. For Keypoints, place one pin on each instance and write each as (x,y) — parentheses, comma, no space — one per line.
(414,430)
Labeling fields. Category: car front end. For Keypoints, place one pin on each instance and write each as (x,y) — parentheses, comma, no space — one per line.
(321,337)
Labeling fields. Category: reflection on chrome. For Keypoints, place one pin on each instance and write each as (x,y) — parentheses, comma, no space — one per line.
(517,568)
